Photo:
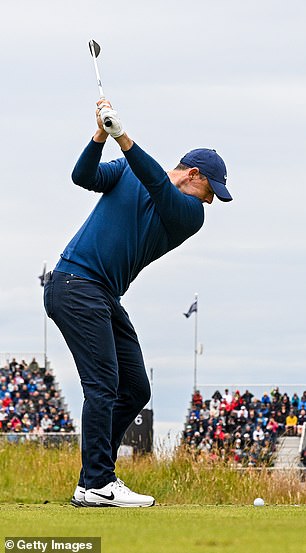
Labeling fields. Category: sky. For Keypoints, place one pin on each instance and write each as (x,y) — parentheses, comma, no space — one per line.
(223,75)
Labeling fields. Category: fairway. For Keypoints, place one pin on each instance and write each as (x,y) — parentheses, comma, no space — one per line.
(169,529)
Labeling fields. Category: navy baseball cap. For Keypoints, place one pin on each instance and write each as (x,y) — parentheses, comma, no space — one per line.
(212,166)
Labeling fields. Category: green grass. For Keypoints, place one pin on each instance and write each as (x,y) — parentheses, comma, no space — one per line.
(202,506)
(161,529)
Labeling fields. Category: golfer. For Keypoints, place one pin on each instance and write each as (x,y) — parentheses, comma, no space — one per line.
(143,213)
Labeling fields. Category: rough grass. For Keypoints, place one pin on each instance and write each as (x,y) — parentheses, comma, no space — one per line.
(31,473)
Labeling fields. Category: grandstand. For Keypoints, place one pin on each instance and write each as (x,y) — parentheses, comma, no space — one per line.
(32,407)
(31,402)
(252,428)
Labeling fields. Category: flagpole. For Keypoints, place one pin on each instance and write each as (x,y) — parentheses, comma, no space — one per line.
(45,320)
(151,378)
(45,340)
(195,344)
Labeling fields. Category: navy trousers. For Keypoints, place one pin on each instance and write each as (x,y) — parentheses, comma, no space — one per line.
(109,361)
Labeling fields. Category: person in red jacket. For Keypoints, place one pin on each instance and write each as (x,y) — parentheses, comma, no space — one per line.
(197,399)
(7,400)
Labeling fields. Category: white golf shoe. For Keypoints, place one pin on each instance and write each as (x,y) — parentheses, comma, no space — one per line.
(116,494)
(78,497)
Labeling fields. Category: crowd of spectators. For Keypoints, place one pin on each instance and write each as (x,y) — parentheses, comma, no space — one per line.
(242,428)
(29,400)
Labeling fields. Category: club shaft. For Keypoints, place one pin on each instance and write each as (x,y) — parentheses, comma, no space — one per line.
(98,77)
(107,121)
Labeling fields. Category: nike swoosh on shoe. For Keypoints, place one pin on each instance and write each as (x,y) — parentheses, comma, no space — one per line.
(111,496)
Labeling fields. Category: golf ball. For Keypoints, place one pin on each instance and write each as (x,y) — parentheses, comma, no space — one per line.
(258,502)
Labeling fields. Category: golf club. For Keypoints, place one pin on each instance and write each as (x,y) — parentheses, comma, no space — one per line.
(95,51)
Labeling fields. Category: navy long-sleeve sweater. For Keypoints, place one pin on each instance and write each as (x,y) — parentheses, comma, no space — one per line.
(140,216)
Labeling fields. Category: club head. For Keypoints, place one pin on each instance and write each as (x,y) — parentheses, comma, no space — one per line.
(94,48)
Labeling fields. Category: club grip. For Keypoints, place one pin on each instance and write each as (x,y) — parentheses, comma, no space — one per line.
(107,122)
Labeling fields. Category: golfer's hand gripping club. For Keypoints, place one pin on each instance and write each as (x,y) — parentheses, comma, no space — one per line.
(106,113)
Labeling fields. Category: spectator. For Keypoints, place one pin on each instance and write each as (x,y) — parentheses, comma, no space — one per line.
(3,391)
(34,367)
(17,428)
(194,422)
(66,422)
(26,373)
(247,435)
(48,379)
(302,402)
(214,407)
(219,435)
(46,423)
(252,417)
(261,420)
(275,404)
(10,385)
(39,381)
(204,418)
(280,418)
(217,395)
(223,418)
(237,451)
(286,403)
(301,421)
(13,365)
(196,436)
(24,393)
(205,445)
(291,423)
(20,407)
(14,421)
(18,378)
(56,424)
(272,427)
(284,411)
(236,401)
(7,400)
(275,393)
(243,414)
(227,396)
(295,401)
(231,424)
(266,399)
(247,397)
(266,452)
(55,400)
(258,434)
(27,425)
(3,419)
(38,430)
(197,399)
(265,409)
(31,387)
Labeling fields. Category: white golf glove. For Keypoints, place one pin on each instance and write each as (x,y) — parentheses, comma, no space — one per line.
(115,130)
